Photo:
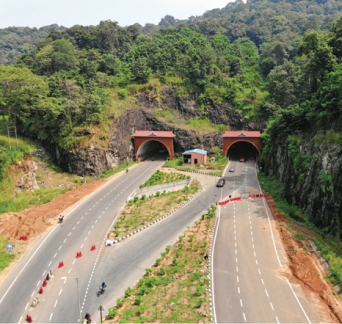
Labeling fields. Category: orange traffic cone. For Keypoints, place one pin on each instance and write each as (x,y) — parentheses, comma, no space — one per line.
(41,290)
(28,318)
(79,254)
(61,264)
(44,283)
(93,248)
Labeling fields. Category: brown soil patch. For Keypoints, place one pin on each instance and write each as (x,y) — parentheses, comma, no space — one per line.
(37,220)
(305,269)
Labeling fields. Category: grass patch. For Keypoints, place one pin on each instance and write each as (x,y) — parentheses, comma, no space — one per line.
(175,289)
(160,177)
(5,257)
(143,211)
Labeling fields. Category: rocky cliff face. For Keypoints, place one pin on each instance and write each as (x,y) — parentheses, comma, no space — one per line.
(94,161)
(312,179)
(24,173)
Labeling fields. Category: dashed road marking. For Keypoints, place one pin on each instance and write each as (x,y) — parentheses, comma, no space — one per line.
(55,303)
(266,293)
(241,303)
(50,317)
(272,306)
(60,292)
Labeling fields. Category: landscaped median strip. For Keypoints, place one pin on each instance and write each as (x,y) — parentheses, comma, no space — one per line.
(176,288)
(157,220)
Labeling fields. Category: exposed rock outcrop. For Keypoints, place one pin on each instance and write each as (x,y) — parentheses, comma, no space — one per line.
(318,194)
(94,161)
(25,174)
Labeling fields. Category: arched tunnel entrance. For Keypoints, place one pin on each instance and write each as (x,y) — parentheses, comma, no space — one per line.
(242,149)
(152,149)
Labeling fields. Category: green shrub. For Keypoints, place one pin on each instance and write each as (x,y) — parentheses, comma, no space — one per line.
(158,261)
(138,300)
(141,310)
(199,302)
(112,312)
(199,290)
(136,199)
(120,301)
(161,271)
(128,292)
(195,276)
(122,93)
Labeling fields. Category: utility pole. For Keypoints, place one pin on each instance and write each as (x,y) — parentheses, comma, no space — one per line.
(101,309)
(12,129)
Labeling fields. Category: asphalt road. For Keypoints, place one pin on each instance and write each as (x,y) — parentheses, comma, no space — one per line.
(83,227)
(247,281)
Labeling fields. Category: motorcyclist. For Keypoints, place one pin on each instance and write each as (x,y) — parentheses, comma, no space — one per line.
(126,170)
(103,286)
(61,218)
(87,318)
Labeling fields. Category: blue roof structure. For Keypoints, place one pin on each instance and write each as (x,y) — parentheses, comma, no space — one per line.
(196,151)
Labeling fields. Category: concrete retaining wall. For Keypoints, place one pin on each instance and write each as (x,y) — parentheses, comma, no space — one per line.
(152,190)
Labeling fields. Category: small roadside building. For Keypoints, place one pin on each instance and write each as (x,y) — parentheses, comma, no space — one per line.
(195,156)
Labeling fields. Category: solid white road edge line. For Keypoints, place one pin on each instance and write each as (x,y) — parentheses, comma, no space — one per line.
(275,248)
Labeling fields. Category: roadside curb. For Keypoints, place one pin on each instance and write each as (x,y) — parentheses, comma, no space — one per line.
(157,220)
(210,263)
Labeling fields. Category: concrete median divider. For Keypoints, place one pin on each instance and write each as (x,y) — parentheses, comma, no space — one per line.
(159,219)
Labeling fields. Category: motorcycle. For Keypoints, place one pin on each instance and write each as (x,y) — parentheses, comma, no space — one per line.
(60,220)
(87,318)
(101,291)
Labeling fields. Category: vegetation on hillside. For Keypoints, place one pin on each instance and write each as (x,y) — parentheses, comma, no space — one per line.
(16,41)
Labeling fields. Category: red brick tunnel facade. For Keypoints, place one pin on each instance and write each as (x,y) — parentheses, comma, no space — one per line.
(166,138)
(230,138)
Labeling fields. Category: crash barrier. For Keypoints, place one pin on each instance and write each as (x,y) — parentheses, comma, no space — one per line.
(167,187)
(35,301)
(239,198)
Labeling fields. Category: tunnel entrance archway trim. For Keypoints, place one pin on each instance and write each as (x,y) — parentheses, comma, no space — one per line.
(232,137)
(163,137)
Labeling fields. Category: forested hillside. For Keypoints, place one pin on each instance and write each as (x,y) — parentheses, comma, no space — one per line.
(271,66)
(16,41)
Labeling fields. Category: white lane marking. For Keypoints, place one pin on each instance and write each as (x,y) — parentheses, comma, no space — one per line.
(69,234)
(254,254)
(26,305)
(60,292)
(55,303)
(239,290)
(32,294)
(262,281)
(251,233)
(86,238)
(82,216)
(244,316)
(252,239)
(74,261)
(38,283)
(89,232)
(234,232)
(50,263)
(259,271)
(256,261)
(74,227)
(95,221)
(277,319)
(241,302)
(237,269)
(272,306)
(20,320)
(92,226)
(60,247)
(81,246)
(235,244)
(54,255)
(44,273)
(50,317)
(235,251)
(275,248)
(266,293)
(253,246)
(251,227)
(78,222)
(64,241)
(237,277)
(236,260)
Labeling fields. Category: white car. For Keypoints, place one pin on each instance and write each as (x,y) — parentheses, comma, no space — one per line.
(109,243)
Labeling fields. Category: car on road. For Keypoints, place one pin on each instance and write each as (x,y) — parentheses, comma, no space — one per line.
(242,159)
(221,183)
(109,243)
(232,169)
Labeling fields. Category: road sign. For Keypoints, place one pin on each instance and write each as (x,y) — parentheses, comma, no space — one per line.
(9,247)
(85,181)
